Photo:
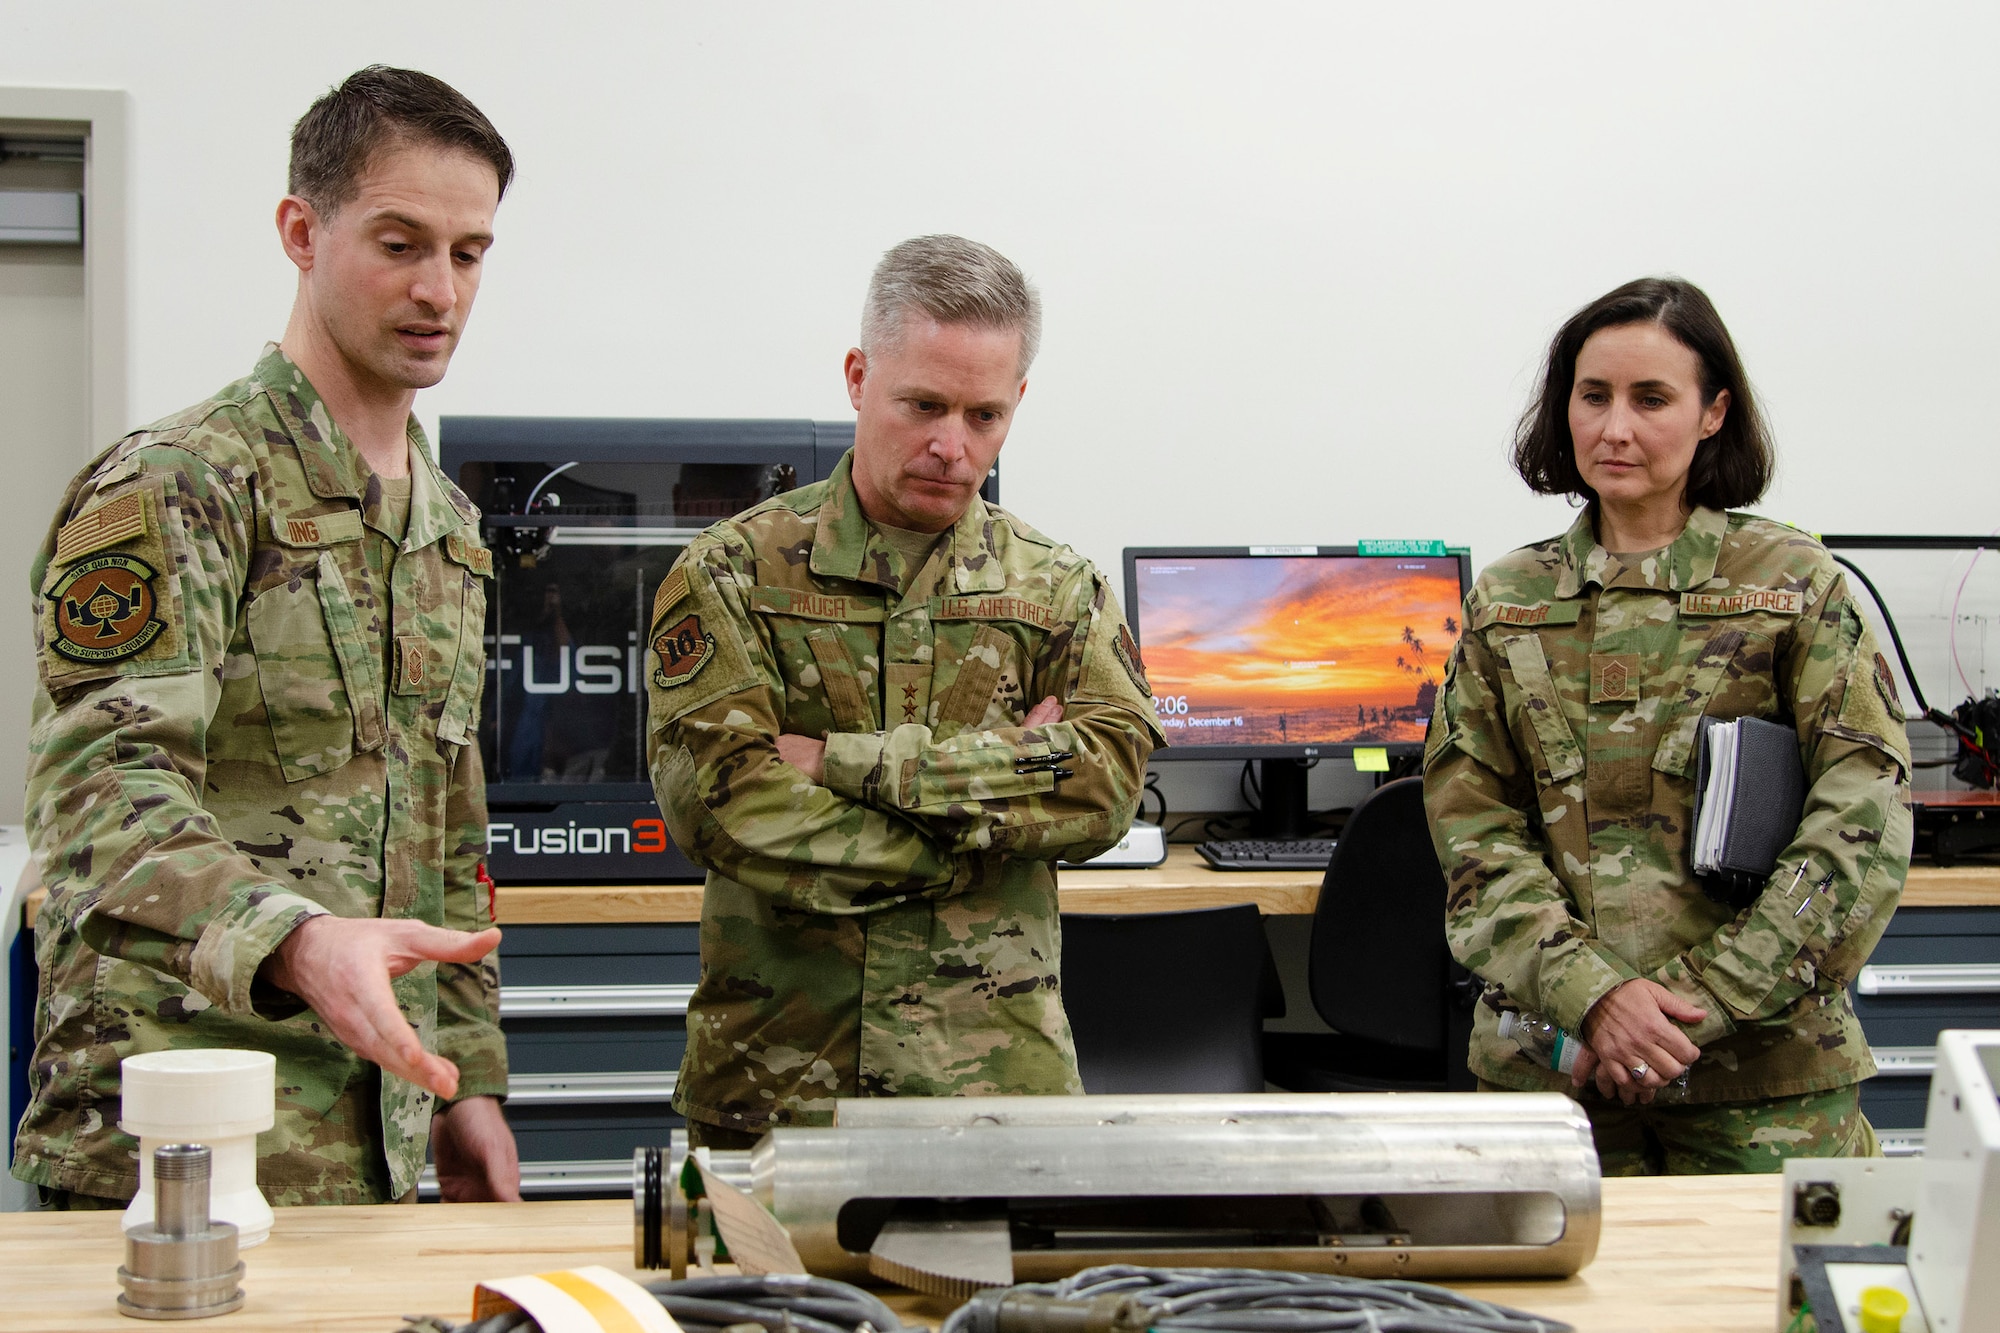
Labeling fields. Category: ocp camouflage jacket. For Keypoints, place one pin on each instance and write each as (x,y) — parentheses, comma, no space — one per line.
(254,707)
(1559,778)
(892,931)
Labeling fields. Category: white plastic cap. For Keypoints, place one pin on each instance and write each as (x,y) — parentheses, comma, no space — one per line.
(195,1096)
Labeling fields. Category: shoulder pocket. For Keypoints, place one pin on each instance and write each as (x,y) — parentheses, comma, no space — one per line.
(1562,758)
(970,698)
(1866,714)
(110,602)
(458,722)
(319,681)
(694,650)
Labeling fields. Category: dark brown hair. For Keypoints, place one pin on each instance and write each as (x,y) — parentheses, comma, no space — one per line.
(1731,468)
(376,108)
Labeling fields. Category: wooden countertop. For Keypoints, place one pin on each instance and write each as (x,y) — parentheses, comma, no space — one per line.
(1184,882)
(1676,1253)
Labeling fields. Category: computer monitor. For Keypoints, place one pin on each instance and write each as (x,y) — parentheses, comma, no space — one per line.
(1287,654)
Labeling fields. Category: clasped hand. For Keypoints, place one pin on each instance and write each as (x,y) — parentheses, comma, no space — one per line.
(1632,1047)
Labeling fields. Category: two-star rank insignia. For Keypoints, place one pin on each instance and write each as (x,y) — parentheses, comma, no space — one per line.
(106,609)
(684,649)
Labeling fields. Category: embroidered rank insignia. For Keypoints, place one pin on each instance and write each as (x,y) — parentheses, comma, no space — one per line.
(684,649)
(110,523)
(1614,678)
(106,609)
(411,649)
(672,588)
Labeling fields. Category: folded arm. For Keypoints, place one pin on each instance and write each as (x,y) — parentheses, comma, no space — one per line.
(1065,783)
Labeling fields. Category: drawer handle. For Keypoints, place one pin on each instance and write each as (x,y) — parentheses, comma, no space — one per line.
(1895,1142)
(612,1174)
(1929,979)
(591,1089)
(1890,1061)
(594,1001)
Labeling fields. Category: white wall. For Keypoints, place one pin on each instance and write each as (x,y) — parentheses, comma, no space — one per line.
(1300,261)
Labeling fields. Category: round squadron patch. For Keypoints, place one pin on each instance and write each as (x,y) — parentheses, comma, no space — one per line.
(684,649)
(105,609)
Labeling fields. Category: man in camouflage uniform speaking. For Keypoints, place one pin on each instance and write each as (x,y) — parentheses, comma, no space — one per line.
(881,708)
(254,790)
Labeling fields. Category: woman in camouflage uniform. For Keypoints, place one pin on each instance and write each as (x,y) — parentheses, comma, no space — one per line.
(1559,768)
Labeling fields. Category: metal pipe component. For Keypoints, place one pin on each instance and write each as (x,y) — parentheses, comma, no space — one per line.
(180,1190)
(183,1264)
(950,1195)
(1197,1108)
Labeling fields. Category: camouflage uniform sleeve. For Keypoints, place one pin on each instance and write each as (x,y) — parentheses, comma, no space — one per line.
(468,1022)
(730,802)
(117,749)
(1856,824)
(1507,915)
(999,790)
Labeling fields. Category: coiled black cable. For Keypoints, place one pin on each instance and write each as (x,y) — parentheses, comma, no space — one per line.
(1126,1299)
(781,1303)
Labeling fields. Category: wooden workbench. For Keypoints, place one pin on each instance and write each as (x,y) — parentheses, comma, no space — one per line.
(1676,1254)
(1184,882)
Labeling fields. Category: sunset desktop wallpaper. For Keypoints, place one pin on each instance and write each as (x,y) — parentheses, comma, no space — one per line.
(1253,650)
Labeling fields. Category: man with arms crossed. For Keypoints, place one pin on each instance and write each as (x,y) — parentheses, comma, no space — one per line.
(254,788)
(881,709)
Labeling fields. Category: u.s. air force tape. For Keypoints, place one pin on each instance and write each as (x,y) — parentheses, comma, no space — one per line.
(575,1300)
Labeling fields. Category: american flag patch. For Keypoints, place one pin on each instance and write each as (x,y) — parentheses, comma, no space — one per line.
(672,588)
(107,525)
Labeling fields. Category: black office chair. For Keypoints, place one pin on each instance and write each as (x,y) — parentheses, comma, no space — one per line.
(1170,1001)
(1380,973)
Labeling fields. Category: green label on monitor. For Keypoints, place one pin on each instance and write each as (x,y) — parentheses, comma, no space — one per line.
(1371,759)
(1402,546)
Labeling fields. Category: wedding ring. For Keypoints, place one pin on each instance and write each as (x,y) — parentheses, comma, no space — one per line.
(1641,1069)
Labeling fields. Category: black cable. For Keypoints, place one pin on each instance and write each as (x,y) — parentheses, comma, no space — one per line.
(1235,1300)
(1152,789)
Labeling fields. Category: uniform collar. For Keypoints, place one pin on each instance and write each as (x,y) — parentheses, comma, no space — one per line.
(845,545)
(1688,563)
(333,466)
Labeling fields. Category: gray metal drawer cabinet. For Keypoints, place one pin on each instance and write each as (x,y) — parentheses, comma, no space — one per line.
(596,1019)
(1936,968)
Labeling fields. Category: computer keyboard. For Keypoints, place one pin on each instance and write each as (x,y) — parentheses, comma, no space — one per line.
(1268,853)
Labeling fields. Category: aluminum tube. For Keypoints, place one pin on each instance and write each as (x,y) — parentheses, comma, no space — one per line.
(1211,1108)
(1532,1186)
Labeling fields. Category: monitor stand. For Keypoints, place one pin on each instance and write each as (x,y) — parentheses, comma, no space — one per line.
(1281,787)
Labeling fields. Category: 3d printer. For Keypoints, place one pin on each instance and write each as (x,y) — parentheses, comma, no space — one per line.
(585,516)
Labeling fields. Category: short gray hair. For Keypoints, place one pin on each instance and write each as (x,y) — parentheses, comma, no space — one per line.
(954,281)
